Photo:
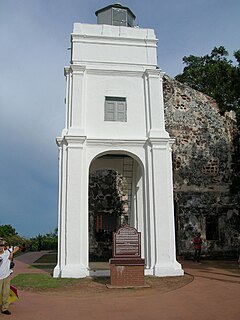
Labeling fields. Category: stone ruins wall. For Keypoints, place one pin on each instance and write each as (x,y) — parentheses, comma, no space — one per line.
(202,165)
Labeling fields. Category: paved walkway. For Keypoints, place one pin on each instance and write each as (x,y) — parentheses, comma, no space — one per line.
(214,294)
(23,261)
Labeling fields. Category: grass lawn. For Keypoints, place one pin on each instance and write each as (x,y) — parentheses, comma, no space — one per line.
(47,258)
(43,266)
(41,281)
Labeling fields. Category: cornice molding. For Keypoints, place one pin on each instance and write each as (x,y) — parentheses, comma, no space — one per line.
(161,143)
(115,142)
(77,69)
(66,71)
(111,68)
(111,40)
(76,140)
(115,72)
(59,141)
(154,73)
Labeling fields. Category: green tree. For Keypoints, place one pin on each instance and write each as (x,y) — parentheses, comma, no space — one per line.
(48,241)
(7,230)
(216,76)
(10,235)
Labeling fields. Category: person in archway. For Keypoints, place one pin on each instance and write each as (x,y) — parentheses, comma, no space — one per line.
(197,242)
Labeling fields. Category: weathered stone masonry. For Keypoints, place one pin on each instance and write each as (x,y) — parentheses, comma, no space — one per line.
(202,163)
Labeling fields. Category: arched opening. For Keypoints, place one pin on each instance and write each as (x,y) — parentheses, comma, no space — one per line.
(108,210)
(112,201)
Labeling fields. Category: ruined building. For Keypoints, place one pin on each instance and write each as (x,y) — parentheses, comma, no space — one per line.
(203,165)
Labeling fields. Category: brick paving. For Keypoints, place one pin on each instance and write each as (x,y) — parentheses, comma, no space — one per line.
(212,295)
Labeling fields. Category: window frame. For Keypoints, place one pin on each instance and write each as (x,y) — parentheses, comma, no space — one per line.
(115,109)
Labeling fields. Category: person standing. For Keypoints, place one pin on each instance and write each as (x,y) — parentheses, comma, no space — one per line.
(197,242)
(5,260)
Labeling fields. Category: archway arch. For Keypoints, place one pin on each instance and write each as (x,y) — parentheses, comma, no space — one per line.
(115,199)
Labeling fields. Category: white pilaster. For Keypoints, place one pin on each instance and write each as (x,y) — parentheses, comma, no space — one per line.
(76,216)
(155,101)
(57,269)
(77,100)
(67,75)
(165,264)
(149,212)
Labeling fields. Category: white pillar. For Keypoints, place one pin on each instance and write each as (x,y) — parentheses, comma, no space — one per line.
(57,269)
(149,213)
(76,211)
(165,263)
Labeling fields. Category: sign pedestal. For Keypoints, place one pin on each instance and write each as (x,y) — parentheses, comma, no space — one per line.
(125,273)
(126,266)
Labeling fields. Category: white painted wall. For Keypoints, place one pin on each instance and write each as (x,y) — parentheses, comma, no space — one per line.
(103,44)
(115,85)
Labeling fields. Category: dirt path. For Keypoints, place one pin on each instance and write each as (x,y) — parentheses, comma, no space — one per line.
(212,295)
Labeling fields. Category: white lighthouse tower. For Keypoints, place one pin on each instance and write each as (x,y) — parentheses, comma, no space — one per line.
(115,120)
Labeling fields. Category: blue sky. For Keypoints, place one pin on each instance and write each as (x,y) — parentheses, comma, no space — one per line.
(35,37)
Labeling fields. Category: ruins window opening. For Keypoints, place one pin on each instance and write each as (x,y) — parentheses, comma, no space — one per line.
(212,167)
(212,230)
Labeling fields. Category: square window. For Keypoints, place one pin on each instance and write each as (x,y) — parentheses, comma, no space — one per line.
(115,109)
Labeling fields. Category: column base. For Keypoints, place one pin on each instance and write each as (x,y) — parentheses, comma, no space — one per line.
(56,272)
(171,269)
(71,271)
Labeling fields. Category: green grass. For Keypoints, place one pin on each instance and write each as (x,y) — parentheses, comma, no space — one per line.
(47,258)
(41,282)
(43,266)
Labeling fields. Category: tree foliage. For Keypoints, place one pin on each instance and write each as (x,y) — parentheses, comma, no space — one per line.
(215,75)
(10,235)
(41,242)
(48,241)
(7,230)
